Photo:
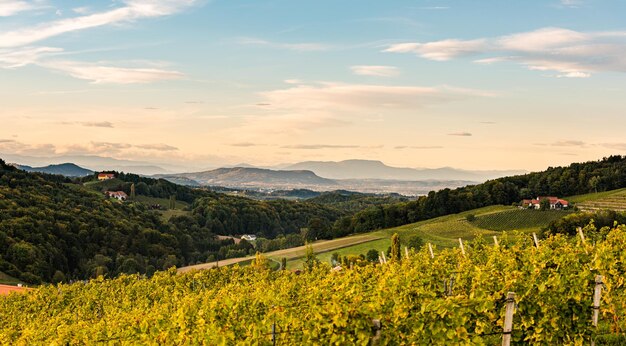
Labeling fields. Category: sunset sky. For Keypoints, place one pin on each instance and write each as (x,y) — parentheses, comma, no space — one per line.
(466,84)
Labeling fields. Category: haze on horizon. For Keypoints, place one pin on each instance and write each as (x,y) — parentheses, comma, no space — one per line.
(473,85)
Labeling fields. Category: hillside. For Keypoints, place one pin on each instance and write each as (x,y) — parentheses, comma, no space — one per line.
(66,169)
(576,179)
(53,229)
(445,231)
(369,169)
(255,177)
(608,200)
(451,299)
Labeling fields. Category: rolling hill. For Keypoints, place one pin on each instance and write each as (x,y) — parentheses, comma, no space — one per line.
(370,169)
(255,177)
(66,169)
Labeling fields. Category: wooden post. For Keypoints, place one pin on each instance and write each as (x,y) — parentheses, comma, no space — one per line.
(508,319)
(380,259)
(462,247)
(376,327)
(582,238)
(274,333)
(536,240)
(406,252)
(384,257)
(430,248)
(495,241)
(597,291)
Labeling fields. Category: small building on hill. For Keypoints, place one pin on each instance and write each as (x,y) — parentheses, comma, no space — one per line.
(120,195)
(555,203)
(105,176)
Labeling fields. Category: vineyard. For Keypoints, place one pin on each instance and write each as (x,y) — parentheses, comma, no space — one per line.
(518,219)
(451,298)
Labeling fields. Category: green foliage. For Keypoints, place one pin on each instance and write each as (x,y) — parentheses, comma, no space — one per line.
(395,248)
(558,181)
(372,255)
(415,242)
(600,219)
(519,219)
(238,305)
(544,204)
(470,217)
(310,260)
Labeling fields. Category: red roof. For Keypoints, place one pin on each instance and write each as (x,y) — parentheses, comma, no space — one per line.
(108,175)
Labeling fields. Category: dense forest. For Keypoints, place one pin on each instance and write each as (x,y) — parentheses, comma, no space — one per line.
(53,229)
(578,178)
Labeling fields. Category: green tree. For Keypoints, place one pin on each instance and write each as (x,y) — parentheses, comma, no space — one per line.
(415,242)
(310,260)
(372,255)
(395,248)
(132,191)
(593,183)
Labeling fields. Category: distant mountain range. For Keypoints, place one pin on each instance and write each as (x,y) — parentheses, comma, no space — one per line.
(357,175)
(66,169)
(369,169)
(253,177)
(95,163)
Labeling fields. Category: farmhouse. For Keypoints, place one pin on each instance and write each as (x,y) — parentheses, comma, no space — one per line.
(555,203)
(106,176)
(121,195)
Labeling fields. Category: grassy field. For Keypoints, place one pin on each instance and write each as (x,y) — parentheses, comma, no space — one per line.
(614,200)
(164,202)
(444,232)
(294,253)
(519,219)
(8,280)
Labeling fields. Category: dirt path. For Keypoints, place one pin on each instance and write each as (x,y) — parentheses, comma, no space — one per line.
(291,253)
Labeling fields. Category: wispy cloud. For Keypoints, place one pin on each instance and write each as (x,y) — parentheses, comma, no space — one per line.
(320,146)
(104,124)
(298,47)
(17,50)
(375,70)
(131,11)
(420,147)
(341,96)
(460,134)
(12,7)
(102,74)
(244,144)
(157,147)
(571,54)
(569,143)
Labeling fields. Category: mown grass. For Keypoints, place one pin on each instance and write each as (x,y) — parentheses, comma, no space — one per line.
(518,219)
(6,279)
(596,196)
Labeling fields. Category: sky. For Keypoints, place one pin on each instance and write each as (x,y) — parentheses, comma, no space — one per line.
(424,83)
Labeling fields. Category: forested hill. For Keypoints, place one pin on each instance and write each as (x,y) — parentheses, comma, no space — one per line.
(577,178)
(54,229)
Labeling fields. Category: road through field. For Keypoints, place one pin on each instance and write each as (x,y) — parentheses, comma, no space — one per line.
(291,253)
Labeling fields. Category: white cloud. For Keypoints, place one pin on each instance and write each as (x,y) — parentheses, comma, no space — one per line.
(374,70)
(11,7)
(133,10)
(100,74)
(339,96)
(440,50)
(24,56)
(570,53)
(298,47)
